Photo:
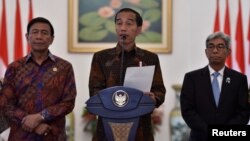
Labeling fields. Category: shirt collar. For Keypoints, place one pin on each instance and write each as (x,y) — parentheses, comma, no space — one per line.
(118,50)
(211,70)
(50,56)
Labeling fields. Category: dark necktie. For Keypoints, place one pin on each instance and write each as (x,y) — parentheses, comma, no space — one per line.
(216,87)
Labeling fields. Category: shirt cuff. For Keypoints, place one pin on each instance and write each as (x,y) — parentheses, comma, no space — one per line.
(45,115)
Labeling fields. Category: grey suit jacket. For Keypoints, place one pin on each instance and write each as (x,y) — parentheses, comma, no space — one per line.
(198,105)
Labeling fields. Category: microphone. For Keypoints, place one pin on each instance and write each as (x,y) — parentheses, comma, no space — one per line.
(123,38)
(122,57)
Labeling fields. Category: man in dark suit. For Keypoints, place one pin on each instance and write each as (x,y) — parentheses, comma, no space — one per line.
(199,105)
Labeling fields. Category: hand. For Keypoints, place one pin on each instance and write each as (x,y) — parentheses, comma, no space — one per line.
(43,129)
(152,95)
(30,122)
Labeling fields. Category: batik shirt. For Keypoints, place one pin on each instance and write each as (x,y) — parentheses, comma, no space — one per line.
(31,88)
(105,72)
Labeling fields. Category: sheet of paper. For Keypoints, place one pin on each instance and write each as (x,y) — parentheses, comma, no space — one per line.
(139,78)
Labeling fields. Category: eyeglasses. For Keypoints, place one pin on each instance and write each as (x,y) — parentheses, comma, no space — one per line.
(218,46)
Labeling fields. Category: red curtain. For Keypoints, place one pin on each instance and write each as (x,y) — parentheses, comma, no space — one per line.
(30,16)
(18,43)
(240,41)
(248,37)
(217,17)
(3,42)
(228,32)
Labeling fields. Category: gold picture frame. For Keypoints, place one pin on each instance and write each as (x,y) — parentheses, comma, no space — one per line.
(82,39)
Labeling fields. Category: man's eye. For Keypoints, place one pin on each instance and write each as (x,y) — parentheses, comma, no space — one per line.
(210,46)
(221,46)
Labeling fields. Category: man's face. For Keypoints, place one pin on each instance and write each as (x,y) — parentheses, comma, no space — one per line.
(39,37)
(126,26)
(217,52)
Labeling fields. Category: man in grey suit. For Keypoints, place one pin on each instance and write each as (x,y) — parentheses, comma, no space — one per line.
(199,106)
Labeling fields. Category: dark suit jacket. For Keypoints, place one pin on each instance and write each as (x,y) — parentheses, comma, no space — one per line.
(198,105)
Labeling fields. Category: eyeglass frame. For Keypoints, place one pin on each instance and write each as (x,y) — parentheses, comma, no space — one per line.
(218,47)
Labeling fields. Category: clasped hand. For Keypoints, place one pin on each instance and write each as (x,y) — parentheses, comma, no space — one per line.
(34,123)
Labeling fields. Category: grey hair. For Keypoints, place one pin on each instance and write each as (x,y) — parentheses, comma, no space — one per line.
(220,35)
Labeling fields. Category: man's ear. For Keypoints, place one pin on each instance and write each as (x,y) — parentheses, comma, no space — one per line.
(139,29)
(52,39)
(228,51)
(27,37)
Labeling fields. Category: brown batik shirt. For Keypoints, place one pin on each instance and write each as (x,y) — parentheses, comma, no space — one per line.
(105,72)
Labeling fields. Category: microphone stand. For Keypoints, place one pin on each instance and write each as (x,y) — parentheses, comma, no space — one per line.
(122,58)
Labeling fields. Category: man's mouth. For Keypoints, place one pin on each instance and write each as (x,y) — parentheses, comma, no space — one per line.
(123,36)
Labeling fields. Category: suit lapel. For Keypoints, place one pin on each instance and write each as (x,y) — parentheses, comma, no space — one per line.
(207,85)
(225,84)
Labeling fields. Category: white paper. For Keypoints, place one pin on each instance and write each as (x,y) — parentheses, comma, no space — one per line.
(139,78)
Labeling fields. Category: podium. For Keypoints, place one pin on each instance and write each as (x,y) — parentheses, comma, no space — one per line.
(120,108)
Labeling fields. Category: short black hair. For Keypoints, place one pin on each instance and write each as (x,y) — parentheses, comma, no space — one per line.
(40,20)
(138,17)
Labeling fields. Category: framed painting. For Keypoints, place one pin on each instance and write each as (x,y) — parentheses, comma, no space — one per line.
(92,28)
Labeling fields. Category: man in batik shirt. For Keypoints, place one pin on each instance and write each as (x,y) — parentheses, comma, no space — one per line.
(106,66)
(39,89)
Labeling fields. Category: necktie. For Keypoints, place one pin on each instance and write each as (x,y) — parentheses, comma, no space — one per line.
(216,87)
